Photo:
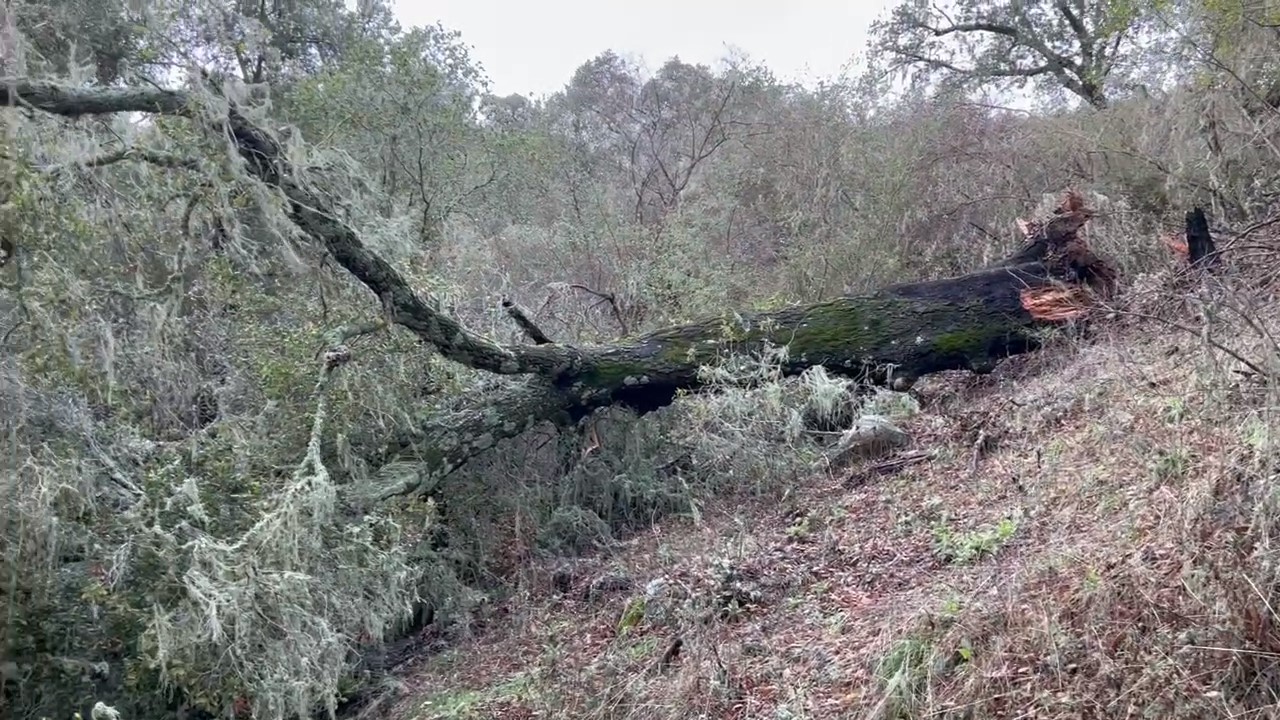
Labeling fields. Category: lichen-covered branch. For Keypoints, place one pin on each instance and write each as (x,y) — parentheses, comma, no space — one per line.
(73,102)
(266,160)
(443,441)
(153,157)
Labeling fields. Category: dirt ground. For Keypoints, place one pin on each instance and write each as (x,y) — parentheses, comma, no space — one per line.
(1026,556)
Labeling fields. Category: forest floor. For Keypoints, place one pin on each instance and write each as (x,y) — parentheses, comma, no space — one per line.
(1029,557)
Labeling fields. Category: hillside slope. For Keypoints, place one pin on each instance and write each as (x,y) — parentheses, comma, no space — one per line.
(1087,539)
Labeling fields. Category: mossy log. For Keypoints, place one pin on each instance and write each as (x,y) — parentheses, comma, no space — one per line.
(894,335)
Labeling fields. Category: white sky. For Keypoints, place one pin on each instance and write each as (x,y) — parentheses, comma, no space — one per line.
(533,47)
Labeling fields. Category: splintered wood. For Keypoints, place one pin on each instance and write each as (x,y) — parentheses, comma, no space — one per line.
(1177,244)
(1059,302)
(1055,304)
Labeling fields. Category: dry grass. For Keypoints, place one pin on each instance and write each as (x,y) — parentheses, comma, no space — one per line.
(1089,537)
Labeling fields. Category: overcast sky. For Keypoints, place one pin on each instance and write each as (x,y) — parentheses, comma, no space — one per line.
(533,47)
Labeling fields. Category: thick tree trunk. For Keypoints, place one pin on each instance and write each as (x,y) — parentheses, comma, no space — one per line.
(894,335)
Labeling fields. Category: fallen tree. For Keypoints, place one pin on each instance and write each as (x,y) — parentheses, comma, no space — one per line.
(892,336)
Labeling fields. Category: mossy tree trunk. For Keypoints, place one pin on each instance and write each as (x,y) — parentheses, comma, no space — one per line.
(894,335)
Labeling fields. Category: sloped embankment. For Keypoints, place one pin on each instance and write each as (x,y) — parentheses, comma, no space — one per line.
(1086,538)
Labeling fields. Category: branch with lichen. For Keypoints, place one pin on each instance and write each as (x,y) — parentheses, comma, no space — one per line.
(255,600)
(151,157)
(335,340)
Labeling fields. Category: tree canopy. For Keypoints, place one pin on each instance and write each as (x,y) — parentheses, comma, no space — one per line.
(1080,46)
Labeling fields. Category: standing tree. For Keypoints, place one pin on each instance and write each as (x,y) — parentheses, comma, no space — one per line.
(1076,45)
(405,109)
(657,131)
(258,41)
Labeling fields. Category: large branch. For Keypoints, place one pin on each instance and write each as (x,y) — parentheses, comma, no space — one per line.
(897,334)
(1016,71)
(1020,36)
(266,160)
(1072,74)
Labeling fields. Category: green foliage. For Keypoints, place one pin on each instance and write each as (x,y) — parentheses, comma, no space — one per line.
(904,674)
(632,616)
(257,42)
(405,107)
(965,548)
(168,491)
(108,39)
(162,386)
(1080,48)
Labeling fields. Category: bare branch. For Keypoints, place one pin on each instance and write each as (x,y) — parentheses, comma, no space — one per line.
(522,319)
(991,27)
(1082,34)
(614,306)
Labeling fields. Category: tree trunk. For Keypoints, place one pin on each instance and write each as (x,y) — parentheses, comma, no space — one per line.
(893,336)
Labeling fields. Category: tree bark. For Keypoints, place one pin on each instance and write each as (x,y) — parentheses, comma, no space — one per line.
(894,335)
(1196,247)
(1202,252)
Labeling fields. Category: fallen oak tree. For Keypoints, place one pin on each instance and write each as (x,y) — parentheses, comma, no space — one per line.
(891,336)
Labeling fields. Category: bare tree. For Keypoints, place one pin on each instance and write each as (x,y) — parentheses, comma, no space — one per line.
(659,131)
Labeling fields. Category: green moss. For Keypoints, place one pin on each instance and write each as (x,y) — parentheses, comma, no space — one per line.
(680,351)
(968,341)
(610,374)
(772,303)
(835,327)
(838,324)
